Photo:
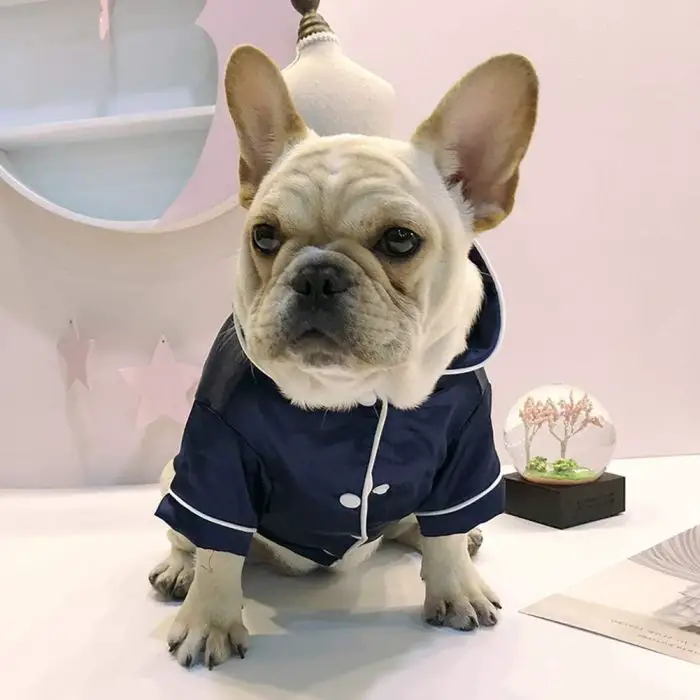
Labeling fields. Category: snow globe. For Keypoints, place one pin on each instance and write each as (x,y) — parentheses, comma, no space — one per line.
(559,435)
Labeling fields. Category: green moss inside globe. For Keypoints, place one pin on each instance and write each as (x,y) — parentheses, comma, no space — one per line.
(540,469)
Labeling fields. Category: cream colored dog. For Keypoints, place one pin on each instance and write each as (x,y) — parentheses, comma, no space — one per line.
(355,280)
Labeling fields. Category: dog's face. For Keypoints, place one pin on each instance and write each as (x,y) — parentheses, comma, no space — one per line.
(353,278)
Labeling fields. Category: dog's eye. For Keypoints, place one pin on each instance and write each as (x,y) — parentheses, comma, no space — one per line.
(398,242)
(265,239)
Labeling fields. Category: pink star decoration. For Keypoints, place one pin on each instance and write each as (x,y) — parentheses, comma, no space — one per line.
(162,386)
(74,350)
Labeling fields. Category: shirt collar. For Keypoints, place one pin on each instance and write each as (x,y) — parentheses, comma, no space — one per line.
(487,332)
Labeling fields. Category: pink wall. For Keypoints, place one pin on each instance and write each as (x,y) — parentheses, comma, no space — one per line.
(599,261)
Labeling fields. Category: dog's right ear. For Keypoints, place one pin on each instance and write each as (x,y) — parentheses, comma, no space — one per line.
(262,110)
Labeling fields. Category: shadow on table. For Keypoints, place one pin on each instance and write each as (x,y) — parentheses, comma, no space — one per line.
(327,655)
(334,636)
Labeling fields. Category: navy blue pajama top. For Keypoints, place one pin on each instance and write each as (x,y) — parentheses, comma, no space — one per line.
(252,462)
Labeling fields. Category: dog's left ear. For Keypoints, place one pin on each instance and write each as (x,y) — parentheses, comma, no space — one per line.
(479,133)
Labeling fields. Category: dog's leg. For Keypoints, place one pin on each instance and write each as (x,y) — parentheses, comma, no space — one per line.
(407,532)
(209,625)
(455,594)
(282,560)
(173,576)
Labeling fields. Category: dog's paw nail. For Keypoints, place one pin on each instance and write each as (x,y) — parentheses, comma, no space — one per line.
(241,651)
(187,663)
(179,592)
(471,624)
(497,604)
(487,618)
(174,646)
(210,663)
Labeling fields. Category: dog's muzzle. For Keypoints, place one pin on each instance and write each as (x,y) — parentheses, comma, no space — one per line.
(320,294)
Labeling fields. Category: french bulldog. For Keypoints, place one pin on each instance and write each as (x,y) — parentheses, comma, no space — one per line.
(344,401)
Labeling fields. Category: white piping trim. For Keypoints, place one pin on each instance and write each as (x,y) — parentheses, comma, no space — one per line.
(208,518)
(501,330)
(242,343)
(468,502)
(368,484)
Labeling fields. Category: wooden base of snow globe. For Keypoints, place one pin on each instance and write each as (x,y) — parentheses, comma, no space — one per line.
(561,440)
(566,506)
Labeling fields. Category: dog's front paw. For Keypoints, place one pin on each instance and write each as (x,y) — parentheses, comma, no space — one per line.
(465,607)
(197,636)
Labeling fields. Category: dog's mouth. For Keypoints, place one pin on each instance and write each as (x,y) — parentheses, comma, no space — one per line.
(316,346)
(313,334)
(314,337)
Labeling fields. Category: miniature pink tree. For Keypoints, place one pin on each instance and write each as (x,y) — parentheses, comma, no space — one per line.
(534,416)
(572,417)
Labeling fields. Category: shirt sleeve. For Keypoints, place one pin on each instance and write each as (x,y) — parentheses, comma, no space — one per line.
(218,491)
(469,489)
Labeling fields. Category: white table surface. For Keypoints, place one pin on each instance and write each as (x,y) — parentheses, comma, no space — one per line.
(79,621)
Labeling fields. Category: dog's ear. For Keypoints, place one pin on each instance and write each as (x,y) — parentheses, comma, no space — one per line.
(479,133)
(262,110)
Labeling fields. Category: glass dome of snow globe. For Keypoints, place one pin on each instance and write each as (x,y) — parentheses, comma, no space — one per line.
(560,435)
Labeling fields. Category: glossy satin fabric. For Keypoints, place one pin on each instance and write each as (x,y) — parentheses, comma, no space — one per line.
(251,461)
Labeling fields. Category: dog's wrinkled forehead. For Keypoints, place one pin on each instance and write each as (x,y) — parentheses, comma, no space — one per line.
(345,185)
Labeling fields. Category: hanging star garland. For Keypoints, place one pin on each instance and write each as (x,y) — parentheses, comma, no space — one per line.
(162,386)
(74,350)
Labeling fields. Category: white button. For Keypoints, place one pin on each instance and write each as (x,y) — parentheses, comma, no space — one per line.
(367,400)
(350,500)
(381,489)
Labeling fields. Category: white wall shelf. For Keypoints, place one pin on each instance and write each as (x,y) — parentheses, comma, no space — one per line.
(118,126)
(7,3)
(104,132)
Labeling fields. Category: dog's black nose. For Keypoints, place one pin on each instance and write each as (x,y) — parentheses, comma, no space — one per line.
(321,282)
